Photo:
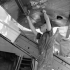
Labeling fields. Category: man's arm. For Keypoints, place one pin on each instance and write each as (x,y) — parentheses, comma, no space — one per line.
(31,26)
(29,21)
(48,24)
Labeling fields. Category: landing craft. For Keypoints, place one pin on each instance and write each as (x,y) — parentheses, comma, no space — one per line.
(19,51)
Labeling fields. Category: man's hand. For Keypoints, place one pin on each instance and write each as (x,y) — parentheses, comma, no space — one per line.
(45,14)
(44,11)
(26,11)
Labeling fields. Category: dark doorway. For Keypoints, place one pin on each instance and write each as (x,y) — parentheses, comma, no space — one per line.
(8,61)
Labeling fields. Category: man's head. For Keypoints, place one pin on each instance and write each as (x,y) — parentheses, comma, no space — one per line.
(43,28)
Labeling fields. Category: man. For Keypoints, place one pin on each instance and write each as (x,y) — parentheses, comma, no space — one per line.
(45,44)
